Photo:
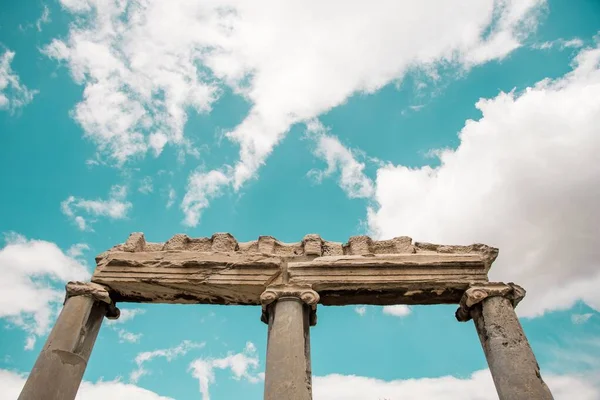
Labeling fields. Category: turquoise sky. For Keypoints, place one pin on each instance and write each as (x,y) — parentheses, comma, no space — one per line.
(457,123)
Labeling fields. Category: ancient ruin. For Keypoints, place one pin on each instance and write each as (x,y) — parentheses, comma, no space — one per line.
(289,280)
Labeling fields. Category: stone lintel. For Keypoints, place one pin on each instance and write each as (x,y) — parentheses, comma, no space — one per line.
(303,293)
(176,276)
(477,293)
(221,270)
(95,291)
(384,279)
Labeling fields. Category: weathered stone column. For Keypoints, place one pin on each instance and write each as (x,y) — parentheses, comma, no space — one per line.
(289,311)
(514,368)
(59,368)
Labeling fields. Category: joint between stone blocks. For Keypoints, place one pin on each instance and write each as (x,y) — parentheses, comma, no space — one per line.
(95,291)
(478,293)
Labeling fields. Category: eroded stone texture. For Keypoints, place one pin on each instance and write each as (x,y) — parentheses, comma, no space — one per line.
(513,366)
(288,369)
(276,292)
(59,368)
(220,270)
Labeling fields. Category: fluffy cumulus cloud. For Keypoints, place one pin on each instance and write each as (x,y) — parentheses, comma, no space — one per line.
(32,271)
(115,207)
(13,94)
(243,365)
(478,386)
(168,354)
(12,383)
(525,178)
(144,64)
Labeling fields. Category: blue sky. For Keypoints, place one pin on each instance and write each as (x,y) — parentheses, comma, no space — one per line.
(450,122)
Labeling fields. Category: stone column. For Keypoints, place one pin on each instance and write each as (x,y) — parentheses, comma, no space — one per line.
(289,311)
(59,368)
(514,368)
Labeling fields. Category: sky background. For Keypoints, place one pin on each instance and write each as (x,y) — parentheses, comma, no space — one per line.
(450,122)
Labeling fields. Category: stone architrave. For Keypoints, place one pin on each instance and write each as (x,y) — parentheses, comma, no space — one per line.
(221,270)
(289,312)
(513,366)
(59,368)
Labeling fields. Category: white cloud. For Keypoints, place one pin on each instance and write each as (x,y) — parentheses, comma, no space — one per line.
(127,314)
(115,207)
(479,386)
(169,354)
(525,178)
(361,310)
(12,383)
(338,158)
(13,94)
(243,365)
(43,19)
(201,188)
(581,318)
(146,186)
(171,197)
(140,64)
(77,250)
(128,337)
(562,44)
(398,310)
(31,269)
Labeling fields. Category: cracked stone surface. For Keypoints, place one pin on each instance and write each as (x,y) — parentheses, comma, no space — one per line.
(221,270)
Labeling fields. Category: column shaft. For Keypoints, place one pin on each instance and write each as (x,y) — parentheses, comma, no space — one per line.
(288,372)
(59,368)
(513,366)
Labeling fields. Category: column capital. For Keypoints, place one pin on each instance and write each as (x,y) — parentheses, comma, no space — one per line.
(97,292)
(303,293)
(477,293)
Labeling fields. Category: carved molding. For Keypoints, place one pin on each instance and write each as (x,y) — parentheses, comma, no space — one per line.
(97,292)
(305,294)
(221,270)
(478,293)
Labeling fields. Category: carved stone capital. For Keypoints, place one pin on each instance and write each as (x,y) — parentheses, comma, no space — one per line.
(95,291)
(305,294)
(478,293)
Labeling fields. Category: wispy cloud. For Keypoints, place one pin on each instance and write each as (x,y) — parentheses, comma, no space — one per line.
(168,354)
(561,44)
(115,207)
(171,196)
(340,159)
(13,94)
(361,310)
(243,365)
(579,319)
(146,186)
(43,19)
